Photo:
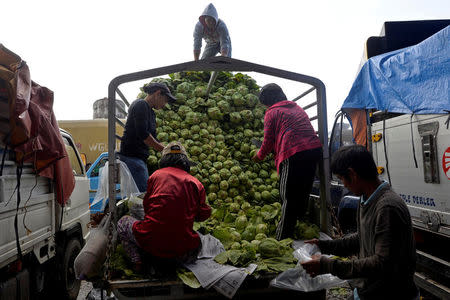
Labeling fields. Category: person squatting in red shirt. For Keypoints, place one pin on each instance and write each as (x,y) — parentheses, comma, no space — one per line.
(288,133)
(174,200)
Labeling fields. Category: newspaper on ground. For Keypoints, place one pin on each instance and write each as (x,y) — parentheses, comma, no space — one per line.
(224,278)
(229,284)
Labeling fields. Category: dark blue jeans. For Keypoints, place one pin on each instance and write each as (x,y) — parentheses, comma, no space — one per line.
(138,169)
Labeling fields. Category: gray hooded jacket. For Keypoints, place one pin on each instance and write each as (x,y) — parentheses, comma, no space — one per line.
(217,36)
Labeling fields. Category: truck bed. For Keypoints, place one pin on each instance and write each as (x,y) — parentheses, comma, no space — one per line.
(175,289)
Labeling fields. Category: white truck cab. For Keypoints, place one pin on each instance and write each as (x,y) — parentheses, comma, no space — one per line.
(39,237)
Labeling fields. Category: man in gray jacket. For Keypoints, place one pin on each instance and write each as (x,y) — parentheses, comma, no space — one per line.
(384,242)
(215,33)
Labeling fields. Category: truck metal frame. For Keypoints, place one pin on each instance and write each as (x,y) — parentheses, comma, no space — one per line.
(224,64)
(219,64)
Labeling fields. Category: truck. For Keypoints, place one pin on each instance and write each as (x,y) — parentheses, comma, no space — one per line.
(44,219)
(93,174)
(156,288)
(90,136)
(398,108)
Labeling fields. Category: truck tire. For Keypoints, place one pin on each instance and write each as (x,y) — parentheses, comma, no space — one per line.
(70,284)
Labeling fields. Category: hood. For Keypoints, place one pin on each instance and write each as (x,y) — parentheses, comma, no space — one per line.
(209,11)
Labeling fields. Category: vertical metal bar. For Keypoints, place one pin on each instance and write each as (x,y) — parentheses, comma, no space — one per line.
(369,132)
(324,165)
(212,79)
(112,169)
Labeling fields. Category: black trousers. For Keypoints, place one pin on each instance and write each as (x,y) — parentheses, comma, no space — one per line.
(296,179)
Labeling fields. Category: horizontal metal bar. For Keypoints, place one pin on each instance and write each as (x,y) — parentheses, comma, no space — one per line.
(123,97)
(433,263)
(120,284)
(313,118)
(217,63)
(309,105)
(304,94)
(120,122)
(431,286)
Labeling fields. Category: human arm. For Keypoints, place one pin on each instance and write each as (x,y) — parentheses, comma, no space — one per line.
(342,247)
(387,235)
(141,126)
(346,246)
(204,210)
(224,38)
(152,142)
(269,135)
(196,54)
(198,35)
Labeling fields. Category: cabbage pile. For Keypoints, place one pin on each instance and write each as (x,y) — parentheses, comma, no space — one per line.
(217,131)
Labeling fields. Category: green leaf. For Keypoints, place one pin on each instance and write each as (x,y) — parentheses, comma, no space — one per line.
(222,257)
(188,278)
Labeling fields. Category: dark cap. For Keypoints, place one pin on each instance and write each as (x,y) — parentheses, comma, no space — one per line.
(271,93)
(154,86)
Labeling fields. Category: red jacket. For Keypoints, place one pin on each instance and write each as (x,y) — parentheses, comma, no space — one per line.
(174,200)
(287,130)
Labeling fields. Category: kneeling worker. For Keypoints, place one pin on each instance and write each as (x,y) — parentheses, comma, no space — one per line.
(174,200)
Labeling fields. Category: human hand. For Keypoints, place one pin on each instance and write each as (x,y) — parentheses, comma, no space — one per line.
(312,267)
(313,242)
(255,158)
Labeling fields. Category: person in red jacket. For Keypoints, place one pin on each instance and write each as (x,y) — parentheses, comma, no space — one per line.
(174,200)
(288,133)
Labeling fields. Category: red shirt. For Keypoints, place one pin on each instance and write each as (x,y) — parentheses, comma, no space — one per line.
(287,130)
(174,200)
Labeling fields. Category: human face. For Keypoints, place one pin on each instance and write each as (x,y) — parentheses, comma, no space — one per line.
(161,100)
(210,22)
(352,182)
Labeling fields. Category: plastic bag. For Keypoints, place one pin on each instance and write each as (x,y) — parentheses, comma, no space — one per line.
(136,207)
(127,185)
(89,262)
(298,279)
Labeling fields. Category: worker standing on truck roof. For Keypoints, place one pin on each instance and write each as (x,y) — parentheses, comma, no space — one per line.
(215,33)
(384,241)
(290,135)
(174,200)
(140,131)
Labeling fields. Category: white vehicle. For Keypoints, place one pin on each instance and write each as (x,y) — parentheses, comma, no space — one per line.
(399,108)
(425,188)
(39,238)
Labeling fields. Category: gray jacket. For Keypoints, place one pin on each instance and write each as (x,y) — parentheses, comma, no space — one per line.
(385,249)
(218,35)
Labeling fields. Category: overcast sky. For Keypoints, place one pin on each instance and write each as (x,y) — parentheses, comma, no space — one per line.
(76,48)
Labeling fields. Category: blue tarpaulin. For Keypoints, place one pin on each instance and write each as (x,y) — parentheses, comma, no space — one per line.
(415,79)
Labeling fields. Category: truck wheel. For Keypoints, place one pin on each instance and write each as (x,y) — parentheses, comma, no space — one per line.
(70,284)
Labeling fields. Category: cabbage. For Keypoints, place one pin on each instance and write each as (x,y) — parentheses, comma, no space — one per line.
(269,248)
(235,117)
(215,113)
(240,223)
